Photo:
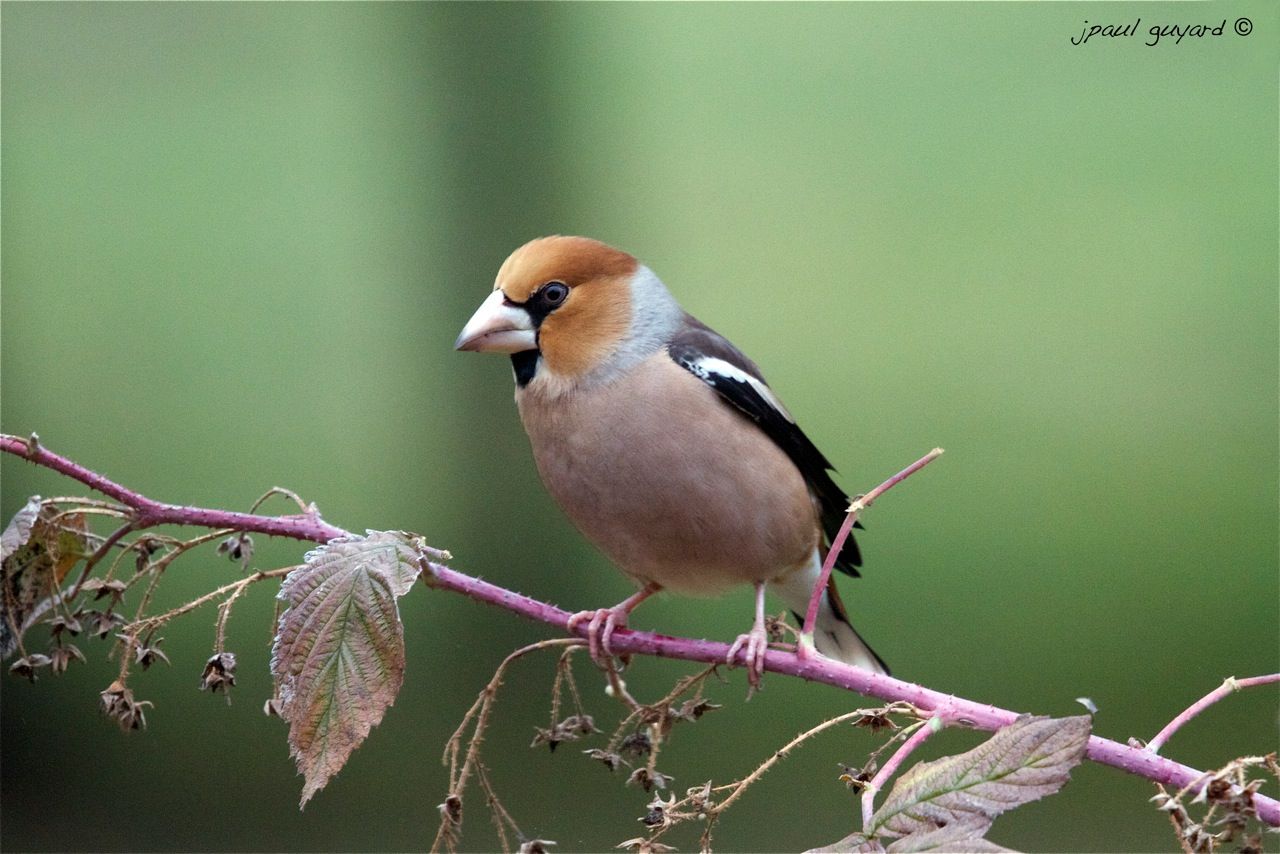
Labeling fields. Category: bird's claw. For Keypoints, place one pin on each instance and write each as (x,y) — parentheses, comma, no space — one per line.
(753,645)
(600,628)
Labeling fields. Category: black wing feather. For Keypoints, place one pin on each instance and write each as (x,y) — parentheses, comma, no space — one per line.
(696,342)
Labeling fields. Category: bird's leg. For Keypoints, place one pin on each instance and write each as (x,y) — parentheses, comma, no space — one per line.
(756,643)
(604,621)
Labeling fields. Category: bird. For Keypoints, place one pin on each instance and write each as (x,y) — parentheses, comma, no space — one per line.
(664,445)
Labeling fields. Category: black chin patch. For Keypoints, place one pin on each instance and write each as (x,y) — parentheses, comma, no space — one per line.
(525,365)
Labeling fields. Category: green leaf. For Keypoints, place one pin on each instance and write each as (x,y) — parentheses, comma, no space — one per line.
(1023,762)
(338,656)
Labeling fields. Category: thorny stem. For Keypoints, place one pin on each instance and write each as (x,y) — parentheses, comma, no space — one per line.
(224,612)
(917,738)
(138,627)
(1134,760)
(150,513)
(98,554)
(982,716)
(501,818)
(1230,686)
(639,709)
(480,711)
(859,504)
(741,786)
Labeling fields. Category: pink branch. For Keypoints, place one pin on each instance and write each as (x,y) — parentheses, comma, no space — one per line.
(859,504)
(916,739)
(982,716)
(1140,761)
(1230,686)
(149,513)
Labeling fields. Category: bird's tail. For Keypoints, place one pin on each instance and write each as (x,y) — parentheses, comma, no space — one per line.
(834,635)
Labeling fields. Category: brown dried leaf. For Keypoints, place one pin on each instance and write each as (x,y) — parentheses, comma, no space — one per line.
(338,657)
(1023,762)
(18,531)
(37,554)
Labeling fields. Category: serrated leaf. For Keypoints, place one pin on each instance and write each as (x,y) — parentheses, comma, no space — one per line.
(38,554)
(1023,762)
(854,843)
(965,835)
(338,655)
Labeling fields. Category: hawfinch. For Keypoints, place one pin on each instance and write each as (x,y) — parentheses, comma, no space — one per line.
(663,443)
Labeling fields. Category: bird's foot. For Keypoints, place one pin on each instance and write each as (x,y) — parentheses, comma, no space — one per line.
(601,624)
(753,645)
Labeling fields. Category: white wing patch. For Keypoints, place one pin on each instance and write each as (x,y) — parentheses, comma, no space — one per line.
(707,368)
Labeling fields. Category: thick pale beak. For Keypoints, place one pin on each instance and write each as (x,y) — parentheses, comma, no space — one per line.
(497,327)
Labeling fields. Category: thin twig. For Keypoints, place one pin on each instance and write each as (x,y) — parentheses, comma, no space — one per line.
(837,543)
(480,712)
(1229,686)
(138,626)
(98,554)
(923,730)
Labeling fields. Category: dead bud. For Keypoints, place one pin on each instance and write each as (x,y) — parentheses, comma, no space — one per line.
(643,845)
(63,623)
(699,798)
(637,744)
(691,710)
(103,623)
(117,702)
(858,778)
(777,627)
(27,666)
(238,547)
(219,673)
(876,720)
(451,810)
(61,656)
(271,708)
(611,760)
(571,728)
(659,815)
(649,780)
(100,589)
(149,654)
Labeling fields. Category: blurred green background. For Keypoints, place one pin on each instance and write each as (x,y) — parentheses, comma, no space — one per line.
(239,240)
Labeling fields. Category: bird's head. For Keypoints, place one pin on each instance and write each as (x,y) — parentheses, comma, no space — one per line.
(571,307)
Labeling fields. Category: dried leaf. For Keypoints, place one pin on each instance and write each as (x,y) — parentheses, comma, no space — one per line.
(18,531)
(38,554)
(1023,762)
(338,656)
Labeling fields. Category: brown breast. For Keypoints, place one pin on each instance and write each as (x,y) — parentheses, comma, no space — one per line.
(671,483)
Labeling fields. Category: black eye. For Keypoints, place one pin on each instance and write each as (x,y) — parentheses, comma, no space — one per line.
(555,293)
